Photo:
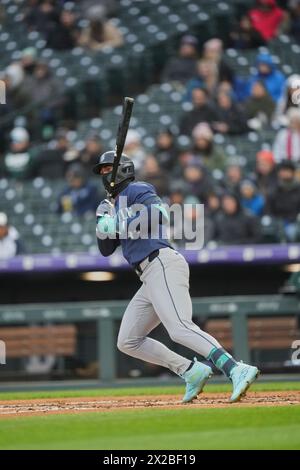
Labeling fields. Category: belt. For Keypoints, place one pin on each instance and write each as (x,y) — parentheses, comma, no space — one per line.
(139,267)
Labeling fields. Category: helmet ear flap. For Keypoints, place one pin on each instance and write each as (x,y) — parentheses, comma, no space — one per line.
(126,169)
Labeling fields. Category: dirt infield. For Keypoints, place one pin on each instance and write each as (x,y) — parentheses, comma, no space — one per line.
(76,405)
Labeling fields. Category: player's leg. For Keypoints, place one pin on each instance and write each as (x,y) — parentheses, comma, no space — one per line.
(138,321)
(167,285)
(173,305)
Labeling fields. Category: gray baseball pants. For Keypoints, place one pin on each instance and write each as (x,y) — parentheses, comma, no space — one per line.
(163,298)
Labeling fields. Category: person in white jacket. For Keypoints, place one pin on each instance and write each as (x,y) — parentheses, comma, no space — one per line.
(9,239)
(287,142)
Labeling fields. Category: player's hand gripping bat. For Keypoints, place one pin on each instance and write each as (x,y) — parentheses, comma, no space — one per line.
(120,141)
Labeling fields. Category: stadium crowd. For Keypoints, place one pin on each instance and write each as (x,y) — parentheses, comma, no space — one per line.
(221,102)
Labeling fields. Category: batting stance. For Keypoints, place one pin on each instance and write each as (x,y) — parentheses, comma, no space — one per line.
(164,295)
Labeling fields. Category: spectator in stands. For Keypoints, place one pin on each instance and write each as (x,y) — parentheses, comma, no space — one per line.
(28,61)
(287,141)
(230,118)
(134,149)
(267,18)
(100,32)
(203,111)
(197,179)
(213,204)
(266,72)
(284,202)
(259,107)
(166,150)
(251,199)
(185,156)
(233,178)
(110,6)
(294,7)
(53,162)
(63,34)
(10,244)
(212,211)
(152,173)
(79,196)
(210,154)
(16,94)
(180,227)
(234,225)
(47,92)
(182,67)
(265,173)
(41,16)
(245,36)
(213,51)
(289,99)
(176,192)
(90,154)
(206,77)
(20,159)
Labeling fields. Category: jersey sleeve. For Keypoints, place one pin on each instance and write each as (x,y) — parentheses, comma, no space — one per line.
(142,193)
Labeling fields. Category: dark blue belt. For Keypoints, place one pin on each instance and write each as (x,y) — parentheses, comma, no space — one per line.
(151,257)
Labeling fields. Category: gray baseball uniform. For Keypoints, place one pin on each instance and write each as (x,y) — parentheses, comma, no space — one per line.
(163,298)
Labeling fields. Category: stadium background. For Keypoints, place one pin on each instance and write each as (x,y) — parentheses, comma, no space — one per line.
(63,102)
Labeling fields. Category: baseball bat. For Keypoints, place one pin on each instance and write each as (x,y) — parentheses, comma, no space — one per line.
(121,137)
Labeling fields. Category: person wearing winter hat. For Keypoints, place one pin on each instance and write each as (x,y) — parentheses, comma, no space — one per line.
(198,181)
(210,154)
(29,60)
(266,72)
(182,67)
(166,150)
(251,199)
(79,196)
(203,111)
(265,173)
(17,94)
(290,99)
(234,225)
(20,159)
(134,149)
(213,51)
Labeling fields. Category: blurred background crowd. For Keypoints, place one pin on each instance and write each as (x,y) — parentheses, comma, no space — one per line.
(216,119)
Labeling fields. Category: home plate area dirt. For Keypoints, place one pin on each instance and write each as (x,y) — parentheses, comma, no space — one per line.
(40,407)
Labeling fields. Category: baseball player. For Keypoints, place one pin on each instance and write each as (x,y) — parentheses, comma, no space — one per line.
(164,294)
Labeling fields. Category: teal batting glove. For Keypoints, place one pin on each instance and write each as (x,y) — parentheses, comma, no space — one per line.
(106,225)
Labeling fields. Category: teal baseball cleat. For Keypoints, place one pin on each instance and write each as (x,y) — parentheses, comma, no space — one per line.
(195,379)
(242,376)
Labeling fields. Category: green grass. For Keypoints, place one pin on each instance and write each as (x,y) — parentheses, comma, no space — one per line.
(227,428)
(116,392)
(189,428)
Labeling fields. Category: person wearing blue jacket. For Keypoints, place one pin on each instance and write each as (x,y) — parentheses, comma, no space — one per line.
(267,73)
(252,200)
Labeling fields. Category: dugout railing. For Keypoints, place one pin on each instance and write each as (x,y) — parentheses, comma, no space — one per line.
(238,309)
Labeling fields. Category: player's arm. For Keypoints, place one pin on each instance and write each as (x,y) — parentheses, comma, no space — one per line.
(106,228)
(107,246)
